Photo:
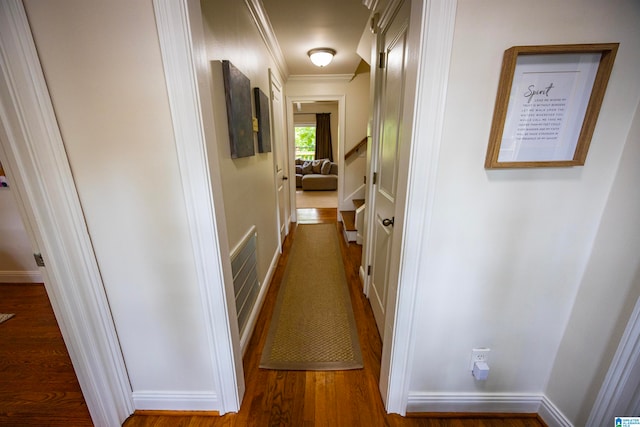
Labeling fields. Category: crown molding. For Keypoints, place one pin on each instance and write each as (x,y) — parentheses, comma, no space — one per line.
(265,29)
(370,4)
(346,78)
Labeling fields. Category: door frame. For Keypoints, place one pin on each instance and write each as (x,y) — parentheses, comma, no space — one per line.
(40,174)
(274,80)
(430,44)
(291,100)
(623,374)
(56,215)
(187,73)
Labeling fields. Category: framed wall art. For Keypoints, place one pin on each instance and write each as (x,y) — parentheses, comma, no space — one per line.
(237,88)
(547,105)
(262,112)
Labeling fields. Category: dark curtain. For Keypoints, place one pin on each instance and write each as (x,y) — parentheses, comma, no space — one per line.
(323,136)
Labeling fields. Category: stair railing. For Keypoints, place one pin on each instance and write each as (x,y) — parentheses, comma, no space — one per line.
(356,149)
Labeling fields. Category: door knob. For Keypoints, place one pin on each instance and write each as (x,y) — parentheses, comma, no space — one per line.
(284,178)
(387,222)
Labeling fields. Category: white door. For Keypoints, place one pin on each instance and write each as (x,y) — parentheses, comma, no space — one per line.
(391,101)
(280,155)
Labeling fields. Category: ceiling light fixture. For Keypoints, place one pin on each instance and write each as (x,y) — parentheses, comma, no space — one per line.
(321,56)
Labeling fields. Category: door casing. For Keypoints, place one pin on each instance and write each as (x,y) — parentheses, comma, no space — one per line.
(430,43)
(291,100)
(51,211)
(432,38)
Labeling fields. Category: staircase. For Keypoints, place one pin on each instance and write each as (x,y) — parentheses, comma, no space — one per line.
(353,221)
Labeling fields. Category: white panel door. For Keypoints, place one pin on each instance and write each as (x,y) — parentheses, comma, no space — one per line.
(280,155)
(393,76)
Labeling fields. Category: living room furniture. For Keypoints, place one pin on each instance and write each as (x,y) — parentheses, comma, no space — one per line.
(316,175)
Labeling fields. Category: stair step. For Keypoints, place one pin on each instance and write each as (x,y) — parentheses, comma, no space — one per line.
(358,202)
(349,220)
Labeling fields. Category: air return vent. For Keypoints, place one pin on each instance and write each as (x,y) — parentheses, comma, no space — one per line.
(245,277)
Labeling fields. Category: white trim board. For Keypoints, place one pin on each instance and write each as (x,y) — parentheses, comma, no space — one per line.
(474,402)
(261,20)
(341,100)
(238,247)
(621,380)
(516,403)
(175,401)
(318,78)
(437,24)
(21,277)
(181,35)
(551,415)
(42,179)
(358,193)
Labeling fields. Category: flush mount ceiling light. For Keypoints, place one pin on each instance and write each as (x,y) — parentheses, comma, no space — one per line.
(321,56)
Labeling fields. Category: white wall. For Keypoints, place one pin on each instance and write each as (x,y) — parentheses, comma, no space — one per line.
(104,72)
(508,249)
(356,94)
(608,292)
(247,183)
(16,254)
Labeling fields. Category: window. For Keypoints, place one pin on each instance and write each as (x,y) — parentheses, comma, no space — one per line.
(305,142)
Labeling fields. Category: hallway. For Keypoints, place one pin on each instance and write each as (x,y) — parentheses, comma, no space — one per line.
(316,398)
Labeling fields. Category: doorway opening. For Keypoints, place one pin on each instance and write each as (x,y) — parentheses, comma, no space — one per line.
(320,190)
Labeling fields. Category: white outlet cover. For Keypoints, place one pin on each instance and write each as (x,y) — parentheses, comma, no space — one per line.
(479,355)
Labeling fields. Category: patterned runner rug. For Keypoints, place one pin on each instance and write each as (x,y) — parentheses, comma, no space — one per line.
(4,317)
(313,326)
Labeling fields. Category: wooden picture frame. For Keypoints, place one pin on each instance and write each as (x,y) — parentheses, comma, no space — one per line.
(547,105)
(262,113)
(237,89)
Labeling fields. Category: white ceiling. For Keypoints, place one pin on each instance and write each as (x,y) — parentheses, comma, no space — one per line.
(301,25)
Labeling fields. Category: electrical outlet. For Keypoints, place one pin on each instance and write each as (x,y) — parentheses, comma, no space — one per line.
(479,355)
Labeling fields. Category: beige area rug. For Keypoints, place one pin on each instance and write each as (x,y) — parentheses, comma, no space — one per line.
(316,199)
(313,327)
(5,317)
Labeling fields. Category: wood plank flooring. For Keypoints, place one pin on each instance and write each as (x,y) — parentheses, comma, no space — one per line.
(340,398)
(38,386)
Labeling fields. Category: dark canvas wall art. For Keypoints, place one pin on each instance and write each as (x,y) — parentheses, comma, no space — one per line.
(237,89)
(262,112)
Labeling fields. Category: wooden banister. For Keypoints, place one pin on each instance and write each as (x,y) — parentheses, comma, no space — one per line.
(356,148)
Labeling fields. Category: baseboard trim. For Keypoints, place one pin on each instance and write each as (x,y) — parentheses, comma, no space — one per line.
(20,277)
(157,413)
(253,317)
(486,403)
(474,402)
(358,193)
(474,415)
(175,401)
(551,415)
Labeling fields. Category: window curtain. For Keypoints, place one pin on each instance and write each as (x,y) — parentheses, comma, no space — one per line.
(324,150)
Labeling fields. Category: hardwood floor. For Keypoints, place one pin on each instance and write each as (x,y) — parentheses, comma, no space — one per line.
(338,398)
(316,199)
(38,386)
